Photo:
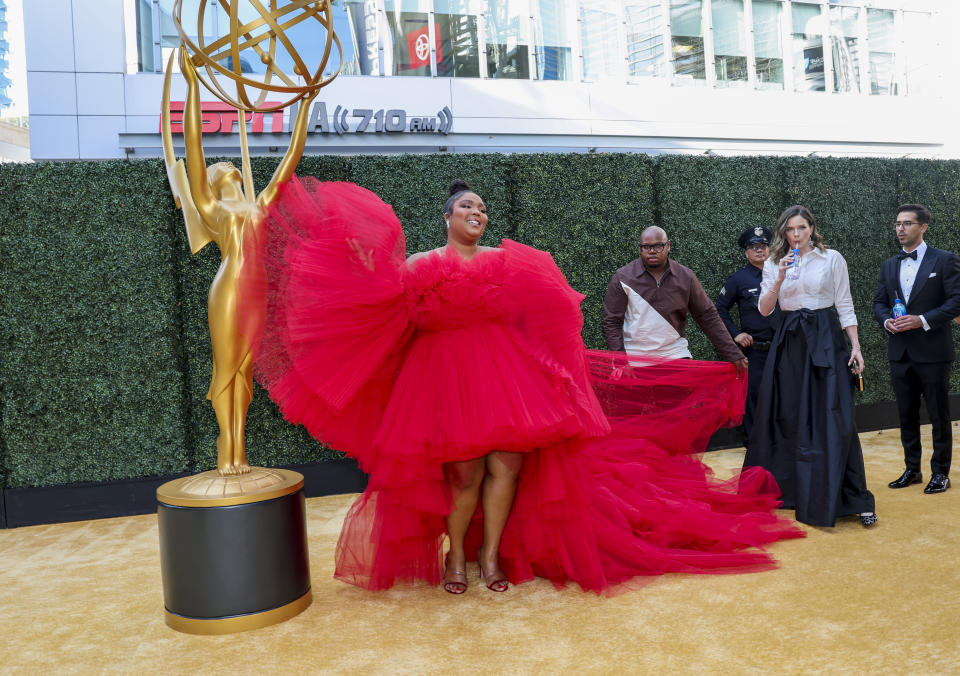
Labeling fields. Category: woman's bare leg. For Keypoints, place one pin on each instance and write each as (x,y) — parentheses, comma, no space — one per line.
(464,479)
(499,488)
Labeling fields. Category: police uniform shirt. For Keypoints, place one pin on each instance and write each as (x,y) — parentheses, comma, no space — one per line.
(743,288)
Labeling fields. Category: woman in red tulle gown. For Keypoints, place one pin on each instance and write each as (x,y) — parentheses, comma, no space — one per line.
(495,471)
(459,381)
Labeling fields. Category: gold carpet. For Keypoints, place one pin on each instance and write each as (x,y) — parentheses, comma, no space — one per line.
(86,598)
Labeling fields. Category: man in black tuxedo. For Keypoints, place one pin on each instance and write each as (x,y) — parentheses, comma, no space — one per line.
(920,348)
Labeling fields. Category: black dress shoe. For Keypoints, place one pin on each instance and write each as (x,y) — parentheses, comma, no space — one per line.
(908,478)
(869,520)
(938,483)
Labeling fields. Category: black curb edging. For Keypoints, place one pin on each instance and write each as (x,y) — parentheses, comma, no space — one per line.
(99,500)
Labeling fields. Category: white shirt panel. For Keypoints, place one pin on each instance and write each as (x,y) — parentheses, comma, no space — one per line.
(646,332)
(908,272)
(823,282)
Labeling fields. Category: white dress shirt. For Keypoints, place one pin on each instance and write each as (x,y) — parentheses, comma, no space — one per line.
(908,276)
(908,272)
(823,282)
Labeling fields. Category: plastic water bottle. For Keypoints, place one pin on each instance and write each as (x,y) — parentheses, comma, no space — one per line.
(794,271)
(899,309)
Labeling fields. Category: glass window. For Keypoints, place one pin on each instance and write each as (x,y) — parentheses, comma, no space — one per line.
(686,29)
(845,46)
(767,43)
(880,37)
(169,37)
(507,31)
(599,43)
(354,25)
(458,46)
(248,62)
(644,27)
(554,40)
(191,8)
(888,4)
(406,46)
(145,61)
(355,22)
(920,77)
(807,34)
(729,42)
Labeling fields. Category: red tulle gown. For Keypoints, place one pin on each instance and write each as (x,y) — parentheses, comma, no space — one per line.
(408,368)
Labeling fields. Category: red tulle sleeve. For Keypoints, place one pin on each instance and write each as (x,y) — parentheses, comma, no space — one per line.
(545,309)
(327,265)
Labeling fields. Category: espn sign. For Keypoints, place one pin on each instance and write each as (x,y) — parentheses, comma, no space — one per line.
(217,117)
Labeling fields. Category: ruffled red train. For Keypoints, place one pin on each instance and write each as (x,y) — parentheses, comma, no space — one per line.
(409,367)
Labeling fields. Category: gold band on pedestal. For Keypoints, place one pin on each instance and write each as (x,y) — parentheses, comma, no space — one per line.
(232,625)
(210,489)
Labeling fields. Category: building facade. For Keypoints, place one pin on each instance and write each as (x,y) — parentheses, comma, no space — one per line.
(4,58)
(832,77)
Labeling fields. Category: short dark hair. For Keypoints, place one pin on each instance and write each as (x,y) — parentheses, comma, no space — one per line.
(923,214)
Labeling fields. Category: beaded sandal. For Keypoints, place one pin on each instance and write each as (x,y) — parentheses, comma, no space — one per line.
(454,586)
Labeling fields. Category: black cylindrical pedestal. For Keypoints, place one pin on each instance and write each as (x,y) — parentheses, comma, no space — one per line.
(232,567)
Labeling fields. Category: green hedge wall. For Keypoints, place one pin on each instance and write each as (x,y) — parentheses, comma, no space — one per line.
(105,356)
(91,370)
(588,211)
(704,205)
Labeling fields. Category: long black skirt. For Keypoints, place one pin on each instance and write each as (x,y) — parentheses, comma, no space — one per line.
(804,433)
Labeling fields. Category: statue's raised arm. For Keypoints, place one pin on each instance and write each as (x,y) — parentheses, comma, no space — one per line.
(197,231)
(287,166)
(193,142)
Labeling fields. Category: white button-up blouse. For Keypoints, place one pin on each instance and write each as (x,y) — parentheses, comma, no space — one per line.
(823,282)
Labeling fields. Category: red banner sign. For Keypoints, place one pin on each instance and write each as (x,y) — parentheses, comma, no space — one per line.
(418,46)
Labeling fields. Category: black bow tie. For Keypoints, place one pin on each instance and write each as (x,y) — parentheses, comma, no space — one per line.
(904,254)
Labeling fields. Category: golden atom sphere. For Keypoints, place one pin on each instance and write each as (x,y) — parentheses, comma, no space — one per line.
(257,30)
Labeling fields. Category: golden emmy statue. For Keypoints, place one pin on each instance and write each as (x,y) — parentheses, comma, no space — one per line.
(218,202)
(219,205)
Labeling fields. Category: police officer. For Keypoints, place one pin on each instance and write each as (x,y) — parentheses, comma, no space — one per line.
(756,331)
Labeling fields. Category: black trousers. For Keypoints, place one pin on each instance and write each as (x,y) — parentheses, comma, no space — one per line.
(931,381)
